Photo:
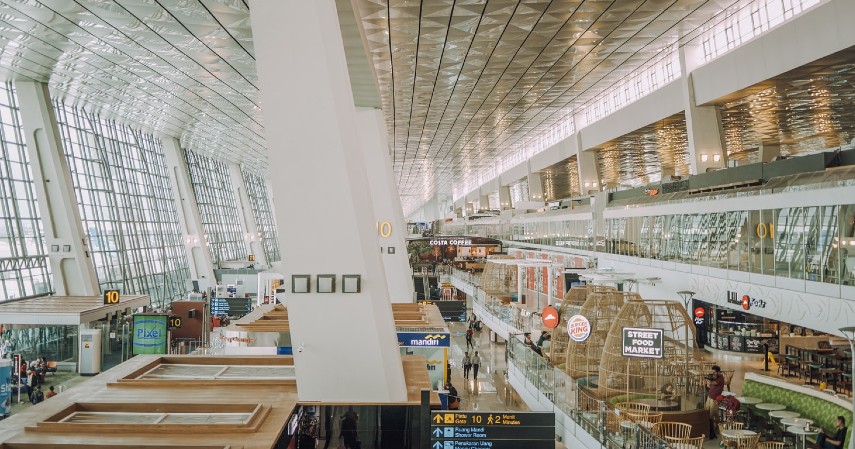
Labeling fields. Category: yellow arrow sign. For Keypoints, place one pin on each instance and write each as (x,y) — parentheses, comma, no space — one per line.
(437,419)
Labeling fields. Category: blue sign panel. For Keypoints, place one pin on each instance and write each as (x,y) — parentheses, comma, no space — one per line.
(5,387)
(424,339)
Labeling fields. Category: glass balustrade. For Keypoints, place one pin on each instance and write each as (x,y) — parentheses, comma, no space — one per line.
(815,243)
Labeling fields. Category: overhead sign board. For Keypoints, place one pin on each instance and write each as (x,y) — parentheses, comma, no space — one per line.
(549,316)
(644,343)
(496,430)
(579,328)
(111,297)
(424,339)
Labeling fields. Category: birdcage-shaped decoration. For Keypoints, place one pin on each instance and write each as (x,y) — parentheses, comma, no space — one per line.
(572,303)
(500,277)
(584,351)
(652,363)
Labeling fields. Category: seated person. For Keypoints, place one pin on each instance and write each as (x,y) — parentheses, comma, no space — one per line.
(667,392)
(826,441)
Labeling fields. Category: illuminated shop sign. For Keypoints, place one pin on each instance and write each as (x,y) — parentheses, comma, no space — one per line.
(579,328)
(442,242)
(645,343)
(747,302)
(422,339)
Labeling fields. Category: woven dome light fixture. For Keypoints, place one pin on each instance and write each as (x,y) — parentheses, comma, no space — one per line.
(571,305)
(644,377)
(601,309)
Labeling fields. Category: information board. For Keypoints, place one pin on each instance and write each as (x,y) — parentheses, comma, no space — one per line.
(644,343)
(496,430)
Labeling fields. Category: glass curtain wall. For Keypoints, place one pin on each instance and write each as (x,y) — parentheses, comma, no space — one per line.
(217,207)
(24,268)
(126,204)
(262,208)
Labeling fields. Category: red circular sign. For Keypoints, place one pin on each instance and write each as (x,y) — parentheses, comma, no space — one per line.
(699,312)
(746,302)
(549,316)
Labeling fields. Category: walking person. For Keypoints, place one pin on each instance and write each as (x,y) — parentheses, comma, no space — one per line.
(716,386)
(476,363)
(32,381)
(349,432)
(469,333)
(467,365)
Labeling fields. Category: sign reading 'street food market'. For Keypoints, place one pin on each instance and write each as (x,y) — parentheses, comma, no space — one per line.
(645,343)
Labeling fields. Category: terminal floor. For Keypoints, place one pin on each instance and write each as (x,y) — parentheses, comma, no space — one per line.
(491,391)
(61,380)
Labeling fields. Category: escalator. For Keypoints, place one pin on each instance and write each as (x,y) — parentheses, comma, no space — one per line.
(419,287)
(433,288)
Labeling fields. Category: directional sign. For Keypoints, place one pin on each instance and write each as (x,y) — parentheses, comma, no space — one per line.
(111,297)
(498,430)
(549,316)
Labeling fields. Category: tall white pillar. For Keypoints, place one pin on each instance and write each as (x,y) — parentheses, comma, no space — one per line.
(248,225)
(703,125)
(389,217)
(68,252)
(535,186)
(345,345)
(505,197)
(589,170)
(483,201)
(198,254)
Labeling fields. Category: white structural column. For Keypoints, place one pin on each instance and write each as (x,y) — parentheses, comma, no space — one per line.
(703,124)
(346,349)
(535,186)
(71,265)
(504,197)
(483,200)
(389,217)
(248,225)
(589,170)
(198,253)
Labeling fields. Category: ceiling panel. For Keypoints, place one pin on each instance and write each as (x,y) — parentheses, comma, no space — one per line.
(183,68)
(462,81)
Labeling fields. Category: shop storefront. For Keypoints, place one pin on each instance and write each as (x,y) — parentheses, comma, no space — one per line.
(731,330)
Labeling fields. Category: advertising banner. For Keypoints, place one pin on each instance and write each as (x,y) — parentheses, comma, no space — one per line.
(150,334)
(5,387)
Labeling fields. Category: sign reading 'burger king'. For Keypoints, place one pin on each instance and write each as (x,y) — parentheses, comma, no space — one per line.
(578,328)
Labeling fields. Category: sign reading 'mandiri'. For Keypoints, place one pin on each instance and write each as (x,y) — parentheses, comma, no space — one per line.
(646,343)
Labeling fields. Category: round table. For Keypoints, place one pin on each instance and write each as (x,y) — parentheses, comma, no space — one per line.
(736,433)
(770,406)
(783,414)
(728,393)
(660,404)
(798,422)
(801,432)
(748,400)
